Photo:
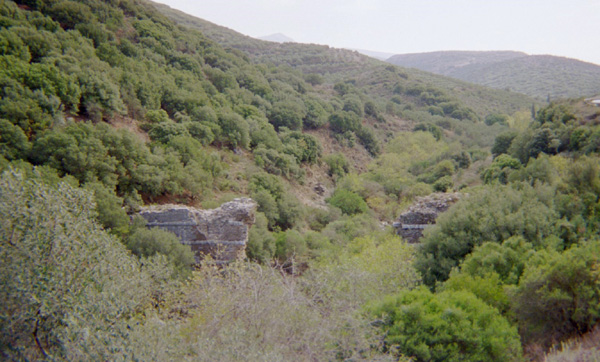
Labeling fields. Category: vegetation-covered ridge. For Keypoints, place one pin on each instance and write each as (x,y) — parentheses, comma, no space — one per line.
(539,76)
(109,105)
(341,65)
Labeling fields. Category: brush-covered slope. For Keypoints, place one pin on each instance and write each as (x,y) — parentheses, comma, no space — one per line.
(538,76)
(341,65)
(123,99)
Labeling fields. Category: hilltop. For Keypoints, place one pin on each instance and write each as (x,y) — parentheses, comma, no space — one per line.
(277,38)
(538,76)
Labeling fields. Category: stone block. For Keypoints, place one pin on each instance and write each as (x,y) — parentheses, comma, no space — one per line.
(221,233)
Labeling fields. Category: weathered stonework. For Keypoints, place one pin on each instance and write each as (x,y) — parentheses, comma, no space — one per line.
(422,214)
(221,233)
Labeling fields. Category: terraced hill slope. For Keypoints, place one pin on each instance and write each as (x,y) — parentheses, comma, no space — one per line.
(538,76)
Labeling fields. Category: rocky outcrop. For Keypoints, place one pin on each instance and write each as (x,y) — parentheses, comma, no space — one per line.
(221,233)
(423,213)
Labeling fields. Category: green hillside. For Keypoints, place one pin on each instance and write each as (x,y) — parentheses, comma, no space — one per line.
(538,76)
(108,106)
(336,65)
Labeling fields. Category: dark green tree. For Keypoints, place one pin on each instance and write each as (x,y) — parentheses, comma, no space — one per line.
(288,114)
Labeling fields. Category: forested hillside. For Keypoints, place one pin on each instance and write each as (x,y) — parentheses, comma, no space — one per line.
(539,76)
(111,105)
(340,65)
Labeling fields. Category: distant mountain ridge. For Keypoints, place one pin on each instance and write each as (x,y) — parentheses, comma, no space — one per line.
(446,62)
(539,76)
(277,38)
(374,54)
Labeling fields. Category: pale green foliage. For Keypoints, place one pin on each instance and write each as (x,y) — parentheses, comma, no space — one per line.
(393,168)
(157,116)
(416,146)
(368,268)
(251,313)
(488,288)
(69,288)
(519,120)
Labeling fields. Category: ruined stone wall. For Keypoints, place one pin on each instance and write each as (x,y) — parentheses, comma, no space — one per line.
(422,214)
(221,233)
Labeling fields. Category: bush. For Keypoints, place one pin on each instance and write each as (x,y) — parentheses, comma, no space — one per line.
(266,315)
(280,207)
(13,141)
(449,326)
(462,159)
(349,202)
(494,118)
(559,295)
(287,114)
(338,165)
(352,103)
(235,130)
(489,214)
(341,122)
(507,260)
(443,184)
(555,113)
(163,132)
(489,288)
(364,270)
(109,207)
(149,242)
(278,163)
(261,242)
(502,143)
(316,114)
(500,169)
(368,139)
(290,247)
(444,169)
(304,147)
(70,290)
(431,128)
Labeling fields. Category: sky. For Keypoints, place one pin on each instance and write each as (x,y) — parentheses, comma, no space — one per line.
(569,28)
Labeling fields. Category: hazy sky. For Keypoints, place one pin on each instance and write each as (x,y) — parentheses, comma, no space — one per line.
(568,28)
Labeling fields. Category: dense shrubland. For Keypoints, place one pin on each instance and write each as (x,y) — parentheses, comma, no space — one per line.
(107,106)
(526,241)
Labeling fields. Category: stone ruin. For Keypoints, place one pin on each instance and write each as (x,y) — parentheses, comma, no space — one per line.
(422,214)
(221,233)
